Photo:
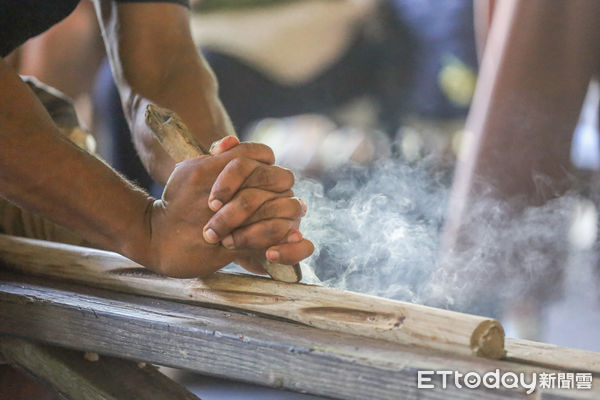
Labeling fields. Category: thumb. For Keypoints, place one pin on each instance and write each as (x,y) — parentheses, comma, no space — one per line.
(223,145)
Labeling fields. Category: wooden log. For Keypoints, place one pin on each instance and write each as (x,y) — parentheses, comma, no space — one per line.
(178,142)
(76,378)
(318,306)
(243,347)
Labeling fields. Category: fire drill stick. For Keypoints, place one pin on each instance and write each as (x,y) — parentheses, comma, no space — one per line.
(178,142)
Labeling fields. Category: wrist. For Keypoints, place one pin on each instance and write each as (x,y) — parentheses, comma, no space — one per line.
(137,245)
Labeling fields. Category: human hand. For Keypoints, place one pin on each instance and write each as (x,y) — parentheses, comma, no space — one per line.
(254,218)
(255,197)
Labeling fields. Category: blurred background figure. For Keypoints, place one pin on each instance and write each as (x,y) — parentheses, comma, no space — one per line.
(538,61)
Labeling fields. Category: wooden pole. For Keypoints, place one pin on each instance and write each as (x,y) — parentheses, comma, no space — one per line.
(318,306)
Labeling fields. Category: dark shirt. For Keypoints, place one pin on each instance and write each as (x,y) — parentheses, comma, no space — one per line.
(23,19)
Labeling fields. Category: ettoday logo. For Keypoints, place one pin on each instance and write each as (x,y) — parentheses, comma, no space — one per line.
(507,380)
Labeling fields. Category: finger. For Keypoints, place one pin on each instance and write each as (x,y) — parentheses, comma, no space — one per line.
(259,235)
(256,151)
(221,146)
(270,177)
(214,164)
(281,207)
(253,262)
(229,181)
(247,173)
(290,253)
(233,214)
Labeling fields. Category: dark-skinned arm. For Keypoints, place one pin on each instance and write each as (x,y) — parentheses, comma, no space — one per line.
(44,173)
(154,60)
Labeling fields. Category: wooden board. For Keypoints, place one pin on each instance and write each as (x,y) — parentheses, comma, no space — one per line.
(76,378)
(322,307)
(237,346)
(548,355)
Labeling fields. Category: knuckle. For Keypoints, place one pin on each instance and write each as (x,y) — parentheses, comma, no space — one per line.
(240,239)
(222,192)
(220,223)
(237,163)
(263,212)
(290,179)
(297,207)
(245,202)
(266,151)
(263,177)
(261,151)
(274,230)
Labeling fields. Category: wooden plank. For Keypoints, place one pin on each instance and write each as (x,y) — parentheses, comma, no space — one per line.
(76,378)
(241,347)
(322,307)
(549,355)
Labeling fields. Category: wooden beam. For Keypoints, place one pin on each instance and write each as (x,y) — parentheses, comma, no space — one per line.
(318,306)
(549,355)
(241,347)
(76,378)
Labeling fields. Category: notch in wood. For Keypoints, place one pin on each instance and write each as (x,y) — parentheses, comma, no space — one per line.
(177,140)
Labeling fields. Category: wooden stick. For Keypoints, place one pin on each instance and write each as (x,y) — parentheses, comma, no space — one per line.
(178,142)
(75,377)
(318,306)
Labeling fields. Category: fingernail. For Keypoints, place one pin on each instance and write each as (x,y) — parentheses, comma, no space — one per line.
(228,242)
(210,236)
(215,205)
(294,237)
(213,145)
(304,206)
(273,255)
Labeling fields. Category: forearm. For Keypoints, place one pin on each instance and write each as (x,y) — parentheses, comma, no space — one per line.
(193,96)
(44,173)
(155,60)
(537,64)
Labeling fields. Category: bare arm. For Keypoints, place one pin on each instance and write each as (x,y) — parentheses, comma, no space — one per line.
(537,64)
(43,172)
(155,60)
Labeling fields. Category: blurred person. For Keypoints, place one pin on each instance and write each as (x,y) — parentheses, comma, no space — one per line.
(535,73)
(538,60)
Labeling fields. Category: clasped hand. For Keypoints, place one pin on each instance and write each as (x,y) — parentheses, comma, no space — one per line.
(231,206)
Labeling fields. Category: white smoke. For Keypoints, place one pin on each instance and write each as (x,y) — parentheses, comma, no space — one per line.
(377,231)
